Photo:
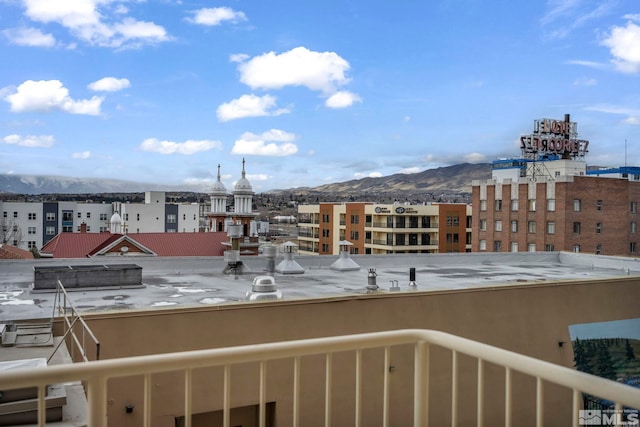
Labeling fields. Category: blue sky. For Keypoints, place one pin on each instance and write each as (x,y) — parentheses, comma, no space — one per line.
(162,91)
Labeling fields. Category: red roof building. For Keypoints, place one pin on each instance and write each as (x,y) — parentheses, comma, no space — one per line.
(12,252)
(87,245)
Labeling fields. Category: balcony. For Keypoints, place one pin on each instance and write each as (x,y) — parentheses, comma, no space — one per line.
(425,351)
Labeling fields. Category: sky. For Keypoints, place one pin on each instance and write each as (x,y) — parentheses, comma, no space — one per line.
(307,92)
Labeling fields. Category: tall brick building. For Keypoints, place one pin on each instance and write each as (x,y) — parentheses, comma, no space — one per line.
(547,200)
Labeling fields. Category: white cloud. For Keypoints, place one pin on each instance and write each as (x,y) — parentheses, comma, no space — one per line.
(367,175)
(29,37)
(410,170)
(624,45)
(169,147)
(318,71)
(257,177)
(632,120)
(89,20)
(406,119)
(81,155)
(215,16)
(109,84)
(585,81)
(249,106)
(632,16)
(590,64)
(43,141)
(238,57)
(50,95)
(342,99)
(274,142)
(564,16)
(474,158)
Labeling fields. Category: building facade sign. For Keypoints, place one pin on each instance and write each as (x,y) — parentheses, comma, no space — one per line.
(554,137)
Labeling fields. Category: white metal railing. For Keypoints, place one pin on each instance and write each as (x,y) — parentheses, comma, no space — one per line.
(95,375)
(71,320)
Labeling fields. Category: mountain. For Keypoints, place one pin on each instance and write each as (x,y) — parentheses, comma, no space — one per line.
(36,184)
(454,179)
(449,179)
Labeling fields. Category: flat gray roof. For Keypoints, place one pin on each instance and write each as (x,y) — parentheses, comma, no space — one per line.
(199,281)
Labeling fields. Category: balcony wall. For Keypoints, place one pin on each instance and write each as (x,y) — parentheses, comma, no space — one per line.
(529,319)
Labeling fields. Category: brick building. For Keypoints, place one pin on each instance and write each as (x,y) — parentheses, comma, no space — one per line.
(384,228)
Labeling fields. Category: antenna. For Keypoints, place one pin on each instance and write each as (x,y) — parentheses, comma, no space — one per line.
(625,152)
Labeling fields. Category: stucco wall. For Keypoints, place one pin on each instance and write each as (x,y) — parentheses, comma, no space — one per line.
(529,319)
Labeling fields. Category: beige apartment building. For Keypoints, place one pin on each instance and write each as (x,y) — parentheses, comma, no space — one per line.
(373,228)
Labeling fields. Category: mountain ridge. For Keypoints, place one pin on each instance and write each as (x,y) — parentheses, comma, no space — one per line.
(454,179)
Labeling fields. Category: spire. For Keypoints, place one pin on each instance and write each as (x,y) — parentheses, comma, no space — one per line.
(219,172)
(243,174)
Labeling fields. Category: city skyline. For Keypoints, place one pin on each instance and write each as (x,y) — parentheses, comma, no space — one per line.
(163,92)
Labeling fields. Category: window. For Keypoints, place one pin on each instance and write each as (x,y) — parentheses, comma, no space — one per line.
(456,221)
(576,248)
(31,230)
(325,247)
(4,214)
(599,205)
(532,205)
(126,217)
(549,248)
(483,245)
(171,218)
(325,232)
(514,226)
(551,205)
(634,207)
(50,231)
(184,217)
(599,228)
(32,216)
(551,227)
(577,205)
(15,214)
(633,227)
(31,245)
(483,205)
(88,214)
(325,218)
(483,224)
(355,235)
(514,205)
(51,216)
(79,215)
(514,246)
(498,205)
(355,219)
(103,229)
(576,228)
(497,246)
(498,225)
(103,217)
(531,225)
(531,247)
(68,216)
(632,247)
(598,249)
(137,217)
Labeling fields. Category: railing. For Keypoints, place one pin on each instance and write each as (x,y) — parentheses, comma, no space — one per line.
(96,375)
(70,319)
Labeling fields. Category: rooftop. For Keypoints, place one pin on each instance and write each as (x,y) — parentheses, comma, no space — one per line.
(199,281)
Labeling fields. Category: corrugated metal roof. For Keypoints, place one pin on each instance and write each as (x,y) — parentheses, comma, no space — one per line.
(82,245)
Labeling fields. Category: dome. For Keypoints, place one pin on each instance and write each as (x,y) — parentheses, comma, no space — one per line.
(243,184)
(115,219)
(218,187)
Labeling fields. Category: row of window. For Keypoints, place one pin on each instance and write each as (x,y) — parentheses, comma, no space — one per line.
(551,226)
(531,247)
(551,205)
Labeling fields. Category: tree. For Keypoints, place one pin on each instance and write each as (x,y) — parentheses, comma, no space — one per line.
(604,362)
(628,351)
(10,232)
(581,358)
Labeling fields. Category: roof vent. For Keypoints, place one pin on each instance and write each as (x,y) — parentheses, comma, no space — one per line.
(263,288)
(344,262)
